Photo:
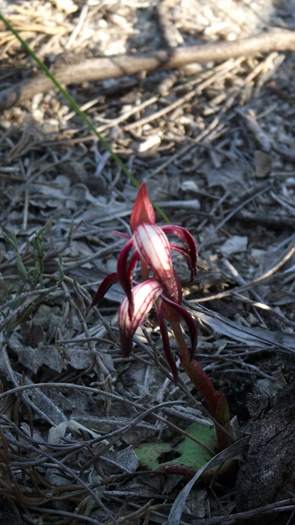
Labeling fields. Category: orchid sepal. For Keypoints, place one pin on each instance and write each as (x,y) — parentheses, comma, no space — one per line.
(166,343)
(183,315)
(142,211)
(124,271)
(185,236)
(104,286)
(187,256)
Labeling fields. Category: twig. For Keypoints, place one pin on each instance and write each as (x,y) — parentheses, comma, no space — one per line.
(67,514)
(276,507)
(118,66)
(275,222)
(251,196)
(247,286)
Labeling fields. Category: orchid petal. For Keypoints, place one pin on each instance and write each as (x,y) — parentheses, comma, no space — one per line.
(107,282)
(144,296)
(187,238)
(154,248)
(187,318)
(134,259)
(122,235)
(166,344)
(124,270)
(186,254)
(144,269)
(142,211)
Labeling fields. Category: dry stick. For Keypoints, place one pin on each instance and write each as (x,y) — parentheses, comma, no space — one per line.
(196,90)
(248,285)
(248,515)
(273,221)
(117,66)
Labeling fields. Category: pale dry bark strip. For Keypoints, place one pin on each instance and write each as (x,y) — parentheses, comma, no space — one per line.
(95,69)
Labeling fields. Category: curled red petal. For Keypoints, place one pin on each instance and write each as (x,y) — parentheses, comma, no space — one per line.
(143,211)
(144,295)
(122,235)
(166,344)
(124,270)
(107,282)
(187,256)
(154,249)
(187,318)
(186,237)
(135,257)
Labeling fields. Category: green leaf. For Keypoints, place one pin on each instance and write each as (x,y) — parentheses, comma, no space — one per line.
(192,453)
(150,453)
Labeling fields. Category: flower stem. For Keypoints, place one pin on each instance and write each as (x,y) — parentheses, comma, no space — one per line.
(216,400)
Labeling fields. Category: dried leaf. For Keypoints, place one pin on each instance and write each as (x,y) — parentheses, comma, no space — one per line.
(236,244)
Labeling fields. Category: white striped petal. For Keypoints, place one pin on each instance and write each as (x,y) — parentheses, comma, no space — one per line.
(154,249)
(144,296)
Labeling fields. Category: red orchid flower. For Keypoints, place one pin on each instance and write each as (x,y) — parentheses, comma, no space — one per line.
(161,290)
(152,248)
